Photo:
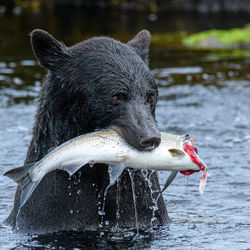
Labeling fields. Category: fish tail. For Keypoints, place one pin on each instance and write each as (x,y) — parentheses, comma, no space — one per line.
(21,176)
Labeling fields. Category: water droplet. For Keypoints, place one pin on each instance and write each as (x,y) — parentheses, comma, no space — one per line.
(79,191)
(71,211)
(100,212)
(153,221)
(70,194)
(106,222)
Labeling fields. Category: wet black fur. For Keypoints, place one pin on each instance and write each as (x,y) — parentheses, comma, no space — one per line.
(76,98)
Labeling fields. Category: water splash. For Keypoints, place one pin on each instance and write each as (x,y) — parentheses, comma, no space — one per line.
(99,206)
(102,212)
(154,194)
(117,202)
(134,200)
(153,221)
(79,177)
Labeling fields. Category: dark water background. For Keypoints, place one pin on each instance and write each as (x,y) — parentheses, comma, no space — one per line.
(203,93)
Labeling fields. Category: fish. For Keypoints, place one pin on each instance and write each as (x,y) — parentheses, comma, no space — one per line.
(107,147)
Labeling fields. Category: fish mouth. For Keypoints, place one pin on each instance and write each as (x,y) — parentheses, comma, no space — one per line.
(193,154)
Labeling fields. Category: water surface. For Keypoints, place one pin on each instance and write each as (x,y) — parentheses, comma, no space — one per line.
(205,94)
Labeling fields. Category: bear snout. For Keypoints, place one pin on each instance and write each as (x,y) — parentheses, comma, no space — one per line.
(150,144)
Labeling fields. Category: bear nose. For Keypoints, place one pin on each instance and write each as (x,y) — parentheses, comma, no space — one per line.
(150,144)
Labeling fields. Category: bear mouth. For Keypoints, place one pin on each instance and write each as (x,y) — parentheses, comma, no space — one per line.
(147,145)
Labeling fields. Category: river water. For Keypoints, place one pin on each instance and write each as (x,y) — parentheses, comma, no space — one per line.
(203,93)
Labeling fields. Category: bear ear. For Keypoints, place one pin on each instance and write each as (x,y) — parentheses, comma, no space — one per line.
(140,44)
(47,49)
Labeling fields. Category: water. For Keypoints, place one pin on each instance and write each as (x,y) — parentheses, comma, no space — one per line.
(102,212)
(134,200)
(154,194)
(205,94)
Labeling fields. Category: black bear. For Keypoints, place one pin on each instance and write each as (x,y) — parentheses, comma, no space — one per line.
(92,85)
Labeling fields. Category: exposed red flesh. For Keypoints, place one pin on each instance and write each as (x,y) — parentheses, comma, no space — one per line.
(192,152)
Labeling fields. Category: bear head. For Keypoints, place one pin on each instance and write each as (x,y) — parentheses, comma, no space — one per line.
(101,83)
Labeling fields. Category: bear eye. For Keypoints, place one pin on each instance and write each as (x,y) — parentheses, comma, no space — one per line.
(151,99)
(115,98)
(119,96)
(151,96)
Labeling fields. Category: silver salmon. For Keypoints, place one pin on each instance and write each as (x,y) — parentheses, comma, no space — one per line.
(107,147)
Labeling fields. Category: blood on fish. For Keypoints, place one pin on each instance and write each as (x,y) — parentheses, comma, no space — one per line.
(192,152)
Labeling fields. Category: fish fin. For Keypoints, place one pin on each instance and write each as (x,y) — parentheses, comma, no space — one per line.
(114,173)
(169,180)
(176,153)
(21,176)
(72,166)
(27,191)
